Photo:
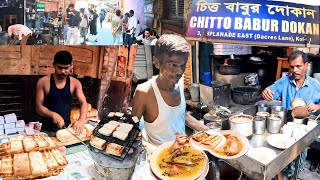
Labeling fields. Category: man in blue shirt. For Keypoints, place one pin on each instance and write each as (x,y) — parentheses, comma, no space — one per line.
(296,85)
(74,19)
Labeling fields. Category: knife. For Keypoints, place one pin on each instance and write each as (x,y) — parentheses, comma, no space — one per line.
(76,136)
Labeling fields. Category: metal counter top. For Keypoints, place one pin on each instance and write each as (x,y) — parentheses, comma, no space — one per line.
(258,170)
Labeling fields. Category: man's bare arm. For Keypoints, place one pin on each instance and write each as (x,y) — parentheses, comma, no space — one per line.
(195,124)
(138,105)
(79,125)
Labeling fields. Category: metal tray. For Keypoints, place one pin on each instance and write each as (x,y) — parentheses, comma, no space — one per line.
(127,144)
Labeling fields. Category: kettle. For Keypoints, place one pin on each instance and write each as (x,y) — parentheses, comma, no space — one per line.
(251,79)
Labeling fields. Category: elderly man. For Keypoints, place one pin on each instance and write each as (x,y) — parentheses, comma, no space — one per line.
(297,85)
(54,96)
(160,101)
(18,32)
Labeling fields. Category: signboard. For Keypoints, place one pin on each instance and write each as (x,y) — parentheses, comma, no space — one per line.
(253,21)
(40,7)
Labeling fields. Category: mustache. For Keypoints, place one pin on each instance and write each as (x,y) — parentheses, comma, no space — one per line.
(295,74)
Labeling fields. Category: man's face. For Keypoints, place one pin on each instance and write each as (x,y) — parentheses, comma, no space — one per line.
(172,68)
(71,9)
(147,34)
(131,14)
(298,68)
(62,70)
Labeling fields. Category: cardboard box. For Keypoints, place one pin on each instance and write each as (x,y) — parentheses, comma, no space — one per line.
(10,131)
(20,129)
(9,125)
(10,118)
(20,124)
(1,131)
(1,120)
(1,126)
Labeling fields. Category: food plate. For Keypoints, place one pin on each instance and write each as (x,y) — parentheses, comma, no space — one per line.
(280,141)
(262,154)
(161,169)
(242,144)
(199,146)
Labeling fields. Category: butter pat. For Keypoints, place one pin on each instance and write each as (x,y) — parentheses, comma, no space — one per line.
(9,125)
(20,124)
(10,118)
(1,120)
(10,131)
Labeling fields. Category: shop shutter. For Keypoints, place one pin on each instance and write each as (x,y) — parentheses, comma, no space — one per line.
(140,64)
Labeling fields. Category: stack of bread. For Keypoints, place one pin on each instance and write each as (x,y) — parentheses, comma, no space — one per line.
(111,148)
(75,114)
(30,158)
(116,129)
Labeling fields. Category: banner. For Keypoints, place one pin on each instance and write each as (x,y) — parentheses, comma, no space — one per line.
(253,21)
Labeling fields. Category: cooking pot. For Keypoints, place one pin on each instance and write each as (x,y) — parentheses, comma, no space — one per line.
(229,69)
(245,95)
(223,120)
(242,123)
(274,123)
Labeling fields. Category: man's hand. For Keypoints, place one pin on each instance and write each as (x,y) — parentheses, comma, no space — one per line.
(267,94)
(78,126)
(149,148)
(58,120)
(312,108)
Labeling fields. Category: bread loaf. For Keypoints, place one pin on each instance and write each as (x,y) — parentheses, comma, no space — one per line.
(120,135)
(38,166)
(98,143)
(21,165)
(64,135)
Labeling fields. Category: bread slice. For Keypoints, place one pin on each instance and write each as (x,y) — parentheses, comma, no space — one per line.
(120,135)
(16,147)
(200,136)
(118,114)
(126,125)
(38,165)
(21,165)
(29,144)
(212,141)
(50,142)
(50,160)
(98,143)
(41,143)
(89,129)
(114,149)
(61,160)
(114,122)
(112,127)
(5,148)
(105,131)
(6,166)
(123,129)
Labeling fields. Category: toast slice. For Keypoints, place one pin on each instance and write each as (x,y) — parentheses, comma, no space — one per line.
(61,160)
(98,143)
(16,147)
(42,143)
(29,144)
(21,165)
(114,149)
(6,166)
(212,141)
(120,135)
(52,145)
(50,161)
(38,165)
(200,136)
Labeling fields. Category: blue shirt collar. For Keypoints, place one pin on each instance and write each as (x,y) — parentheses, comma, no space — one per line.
(305,83)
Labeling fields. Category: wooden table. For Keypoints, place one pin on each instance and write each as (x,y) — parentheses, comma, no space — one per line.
(282,63)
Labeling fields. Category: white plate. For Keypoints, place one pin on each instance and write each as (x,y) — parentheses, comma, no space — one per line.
(280,141)
(198,145)
(262,154)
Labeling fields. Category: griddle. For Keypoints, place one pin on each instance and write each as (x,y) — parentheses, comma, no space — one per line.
(127,143)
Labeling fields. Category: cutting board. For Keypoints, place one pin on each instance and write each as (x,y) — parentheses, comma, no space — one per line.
(76,141)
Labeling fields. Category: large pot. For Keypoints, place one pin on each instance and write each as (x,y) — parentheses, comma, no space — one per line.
(224,121)
(229,69)
(242,124)
(245,95)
